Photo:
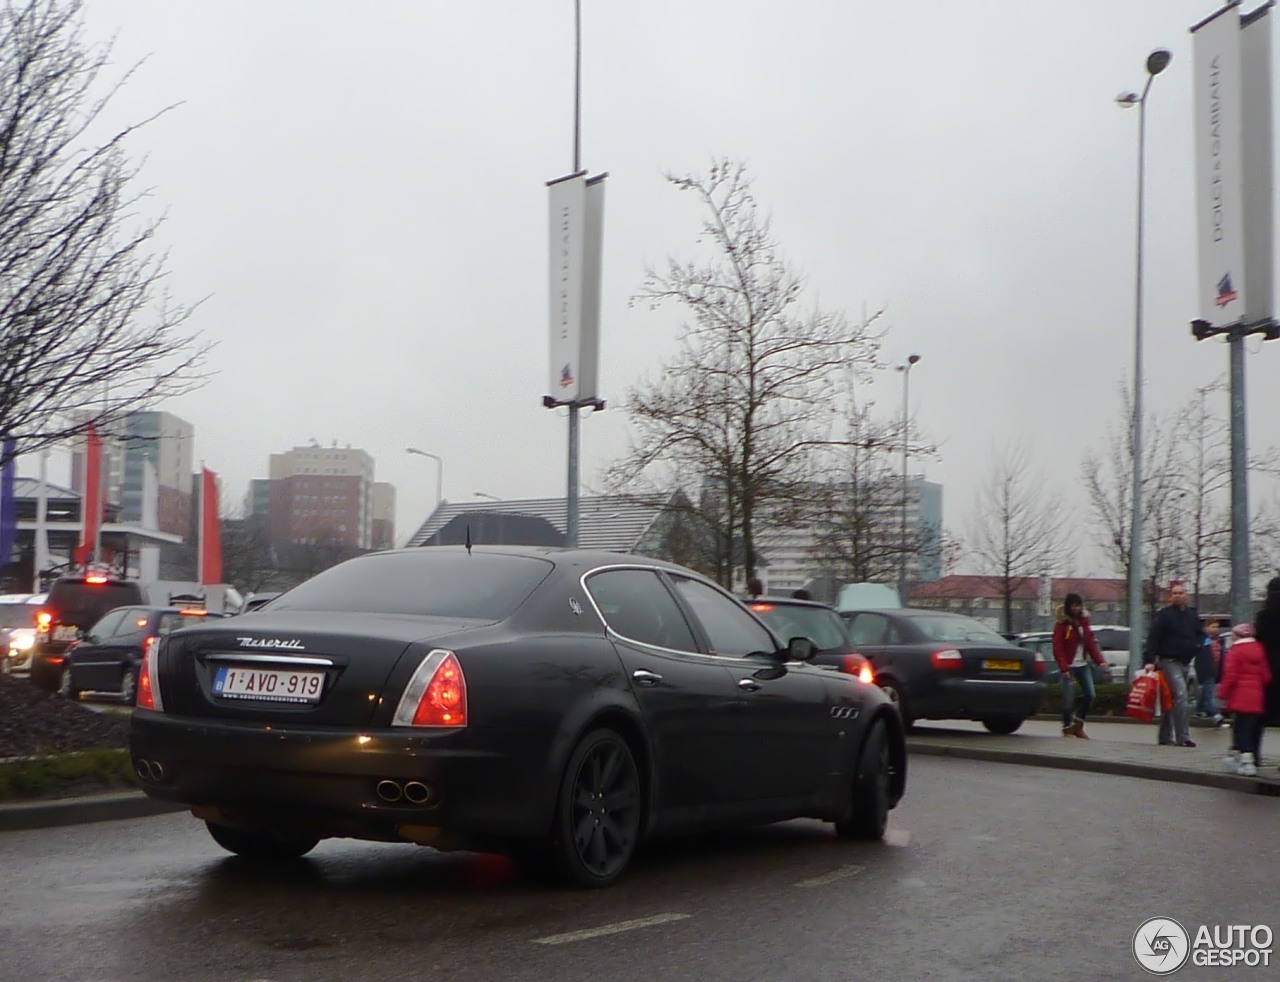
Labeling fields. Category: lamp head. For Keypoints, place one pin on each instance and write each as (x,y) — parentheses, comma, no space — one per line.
(1127,100)
(912,359)
(1158,61)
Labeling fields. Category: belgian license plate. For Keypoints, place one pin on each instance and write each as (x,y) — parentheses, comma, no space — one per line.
(1002,665)
(269,684)
(66,632)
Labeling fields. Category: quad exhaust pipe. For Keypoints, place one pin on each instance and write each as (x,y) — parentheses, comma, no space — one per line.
(150,770)
(413,792)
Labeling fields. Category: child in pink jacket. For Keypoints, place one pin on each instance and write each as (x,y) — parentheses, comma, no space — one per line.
(1243,690)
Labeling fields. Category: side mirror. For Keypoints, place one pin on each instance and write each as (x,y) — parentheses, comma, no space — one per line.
(801,649)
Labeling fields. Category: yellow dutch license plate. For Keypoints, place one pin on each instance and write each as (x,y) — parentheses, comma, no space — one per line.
(1002,665)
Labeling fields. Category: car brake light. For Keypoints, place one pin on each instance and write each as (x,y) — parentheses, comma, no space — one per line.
(436,694)
(148,678)
(95,579)
(947,658)
(760,608)
(859,666)
(43,620)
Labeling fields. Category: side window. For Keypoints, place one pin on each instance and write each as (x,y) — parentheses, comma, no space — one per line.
(637,606)
(870,629)
(731,629)
(106,627)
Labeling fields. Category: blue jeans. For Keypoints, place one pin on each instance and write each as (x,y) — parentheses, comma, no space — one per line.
(1084,675)
(1173,724)
(1206,703)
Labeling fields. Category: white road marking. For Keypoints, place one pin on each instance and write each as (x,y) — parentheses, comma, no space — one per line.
(835,874)
(897,837)
(617,927)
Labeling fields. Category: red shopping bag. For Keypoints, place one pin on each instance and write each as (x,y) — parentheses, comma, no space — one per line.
(1142,697)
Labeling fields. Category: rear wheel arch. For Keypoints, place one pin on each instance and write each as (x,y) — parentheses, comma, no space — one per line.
(628,726)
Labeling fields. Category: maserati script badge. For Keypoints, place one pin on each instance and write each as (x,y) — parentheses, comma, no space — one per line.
(293,644)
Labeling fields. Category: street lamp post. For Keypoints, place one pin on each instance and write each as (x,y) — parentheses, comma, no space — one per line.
(1157,62)
(906,449)
(439,471)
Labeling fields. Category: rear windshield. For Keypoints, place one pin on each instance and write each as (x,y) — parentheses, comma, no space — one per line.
(821,626)
(173,621)
(82,604)
(955,628)
(443,584)
(18,615)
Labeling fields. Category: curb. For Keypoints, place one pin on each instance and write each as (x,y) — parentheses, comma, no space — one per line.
(1120,768)
(77,811)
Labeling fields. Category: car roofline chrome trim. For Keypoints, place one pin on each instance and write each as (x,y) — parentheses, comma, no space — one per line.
(272,659)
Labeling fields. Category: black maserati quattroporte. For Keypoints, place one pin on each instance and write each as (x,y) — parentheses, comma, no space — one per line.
(551,704)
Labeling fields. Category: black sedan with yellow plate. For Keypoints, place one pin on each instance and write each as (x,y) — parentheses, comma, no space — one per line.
(556,705)
(937,665)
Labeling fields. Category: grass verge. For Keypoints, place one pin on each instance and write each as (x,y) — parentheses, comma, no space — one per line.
(66,775)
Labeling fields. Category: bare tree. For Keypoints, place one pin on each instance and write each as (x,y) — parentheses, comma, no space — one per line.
(1019,529)
(856,505)
(86,328)
(745,403)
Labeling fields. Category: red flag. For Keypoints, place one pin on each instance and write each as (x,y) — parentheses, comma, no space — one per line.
(91,502)
(210,532)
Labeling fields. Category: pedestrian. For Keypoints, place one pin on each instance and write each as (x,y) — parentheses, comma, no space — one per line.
(1244,691)
(1209,671)
(1266,624)
(1176,636)
(1073,646)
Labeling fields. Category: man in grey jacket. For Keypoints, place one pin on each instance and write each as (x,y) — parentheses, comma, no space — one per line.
(1176,636)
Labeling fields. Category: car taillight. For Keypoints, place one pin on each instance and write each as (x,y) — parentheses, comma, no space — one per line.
(436,694)
(95,579)
(858,666)
(1040,663)
(947,659)
(149,678)
(44,619)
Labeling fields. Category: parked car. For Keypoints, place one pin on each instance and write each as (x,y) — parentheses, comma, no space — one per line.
(18,631)
(1113,639)
(555,705)
(74,604)
(1041,642)
(790,618)
(108,655)
(938,665)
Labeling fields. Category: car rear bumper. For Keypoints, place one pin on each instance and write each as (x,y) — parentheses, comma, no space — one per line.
(326,781)
(982,698)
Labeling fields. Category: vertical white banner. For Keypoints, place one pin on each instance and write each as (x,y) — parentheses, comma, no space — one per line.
(593,245)
(1219,174)
(1258,164)
(568,206)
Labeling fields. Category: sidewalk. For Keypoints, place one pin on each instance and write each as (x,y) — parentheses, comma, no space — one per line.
(1120,747)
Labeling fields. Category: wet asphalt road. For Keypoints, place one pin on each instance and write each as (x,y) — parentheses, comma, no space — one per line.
(992,872)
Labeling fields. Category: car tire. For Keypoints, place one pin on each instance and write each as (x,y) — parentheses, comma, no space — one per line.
(264,846)
(129,686)
(868,815)
(65,688)
(598,811)
(893,689)
(1003,725)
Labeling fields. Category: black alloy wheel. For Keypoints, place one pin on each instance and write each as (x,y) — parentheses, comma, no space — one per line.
(868,815)
(266,846)
(598,816)
(893,689)
(1003,725)
(65,688)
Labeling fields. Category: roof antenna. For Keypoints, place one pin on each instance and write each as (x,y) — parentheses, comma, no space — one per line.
(468,543)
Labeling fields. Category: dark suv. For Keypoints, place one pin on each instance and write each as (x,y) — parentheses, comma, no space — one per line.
(75,604)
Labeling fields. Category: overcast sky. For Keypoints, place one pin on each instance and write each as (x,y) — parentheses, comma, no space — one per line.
(358,189)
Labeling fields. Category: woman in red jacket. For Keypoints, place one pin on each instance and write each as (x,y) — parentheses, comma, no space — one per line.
(1243,690)
(1073,646)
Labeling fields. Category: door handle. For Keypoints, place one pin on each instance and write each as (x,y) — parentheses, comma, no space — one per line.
(749,684)
(645,677)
